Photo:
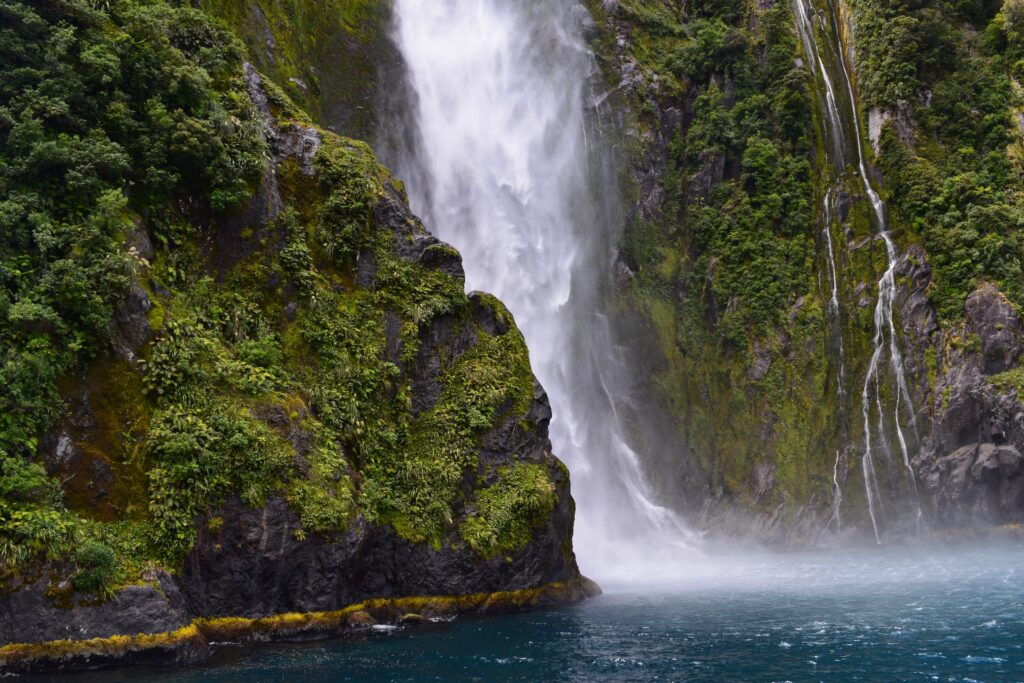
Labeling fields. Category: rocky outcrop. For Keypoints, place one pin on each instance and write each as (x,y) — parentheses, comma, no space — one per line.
(256,566)
(56,614)
(257,561)
(970,461)
(193,642)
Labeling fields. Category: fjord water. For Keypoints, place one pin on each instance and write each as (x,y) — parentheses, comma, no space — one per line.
(497,162)
(950,614)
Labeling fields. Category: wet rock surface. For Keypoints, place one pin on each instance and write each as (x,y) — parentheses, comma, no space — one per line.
(970,457)
(42,610)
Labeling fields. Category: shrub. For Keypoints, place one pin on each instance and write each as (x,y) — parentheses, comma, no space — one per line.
(97,566)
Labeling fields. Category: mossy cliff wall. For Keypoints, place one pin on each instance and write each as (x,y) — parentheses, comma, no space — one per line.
(333,57)
(243,379)
(724,263)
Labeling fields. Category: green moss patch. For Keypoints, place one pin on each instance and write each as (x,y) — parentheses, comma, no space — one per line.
(510,510)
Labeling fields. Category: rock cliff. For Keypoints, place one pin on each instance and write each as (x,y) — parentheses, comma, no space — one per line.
(290,406)
(740,235)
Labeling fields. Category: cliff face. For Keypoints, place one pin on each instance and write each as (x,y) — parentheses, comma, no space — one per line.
(244,379)
(739,229)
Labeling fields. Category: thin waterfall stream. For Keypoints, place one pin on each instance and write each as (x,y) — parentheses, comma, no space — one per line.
(503,169)
(885,339)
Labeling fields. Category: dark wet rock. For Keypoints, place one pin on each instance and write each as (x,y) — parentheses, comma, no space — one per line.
(442,341)
(977,485)
(138,243)
(393,337)
(992,317)
(763,480)
(712,172)
(970,456)
(255,564)
(761,362)
(366,269)
(132,322)
(899,119)
(412,241)
(295,141)
(488,317)
(59,451)
(30,613)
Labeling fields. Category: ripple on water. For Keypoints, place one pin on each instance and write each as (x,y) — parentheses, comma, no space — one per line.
(768,631)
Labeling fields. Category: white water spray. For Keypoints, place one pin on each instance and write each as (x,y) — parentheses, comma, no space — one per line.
(504,175)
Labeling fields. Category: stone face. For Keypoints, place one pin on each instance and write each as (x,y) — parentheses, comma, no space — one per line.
(28,613)
(970,457)
(256,564)
(992,318)
(131,317)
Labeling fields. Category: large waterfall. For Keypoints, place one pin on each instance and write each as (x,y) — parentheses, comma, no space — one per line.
(496,156)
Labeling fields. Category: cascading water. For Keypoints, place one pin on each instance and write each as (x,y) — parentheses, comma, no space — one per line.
(844,155)
(501,169)
(835,315)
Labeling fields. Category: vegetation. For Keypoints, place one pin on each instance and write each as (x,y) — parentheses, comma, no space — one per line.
(745,237)
(300,43)
(510,510)
(728,268)
(278,362)
(949,69)
(724,272)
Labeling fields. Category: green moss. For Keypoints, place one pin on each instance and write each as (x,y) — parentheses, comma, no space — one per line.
(1009,380)
(326,56)
(325,496)
(509,511)
(416,488)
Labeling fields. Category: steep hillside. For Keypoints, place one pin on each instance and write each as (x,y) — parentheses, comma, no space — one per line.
(241,379)
(740,227)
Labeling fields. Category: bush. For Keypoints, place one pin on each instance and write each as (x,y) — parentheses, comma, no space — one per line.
(97,566)
(32,521)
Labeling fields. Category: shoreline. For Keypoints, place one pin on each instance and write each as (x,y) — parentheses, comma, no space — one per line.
(197,641)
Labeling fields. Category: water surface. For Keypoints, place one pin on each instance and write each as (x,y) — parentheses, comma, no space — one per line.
(926,614)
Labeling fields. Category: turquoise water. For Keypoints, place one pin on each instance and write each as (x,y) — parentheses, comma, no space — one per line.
(932,614)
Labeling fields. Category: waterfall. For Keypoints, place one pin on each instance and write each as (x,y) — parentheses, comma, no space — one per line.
(885,339)
(835,315)
(498,162)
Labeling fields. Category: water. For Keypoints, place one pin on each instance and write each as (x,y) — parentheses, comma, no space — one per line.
(840,108)
(880,614)
(500,161)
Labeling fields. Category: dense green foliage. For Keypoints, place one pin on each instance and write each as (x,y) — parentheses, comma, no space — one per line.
(31,521)
(508,511)
(744,239)
(106,115)
(724,273)
(274,366)
(96,567)
(948,68)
